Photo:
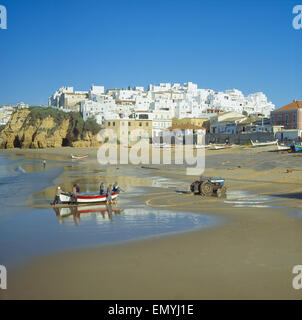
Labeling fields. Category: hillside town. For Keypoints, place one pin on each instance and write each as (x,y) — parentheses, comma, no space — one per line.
(162,108)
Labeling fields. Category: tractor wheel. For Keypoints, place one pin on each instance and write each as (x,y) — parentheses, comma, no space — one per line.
(206,189)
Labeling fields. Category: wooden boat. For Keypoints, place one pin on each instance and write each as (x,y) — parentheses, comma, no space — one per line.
(262,144)
(298,147)
(218,147)
(162,145)
(66,197)
(283,147)
(196,146)
(79,156)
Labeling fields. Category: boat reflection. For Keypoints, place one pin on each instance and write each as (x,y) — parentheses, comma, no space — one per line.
(79,213)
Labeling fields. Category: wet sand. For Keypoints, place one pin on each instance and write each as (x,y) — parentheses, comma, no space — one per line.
(249,256)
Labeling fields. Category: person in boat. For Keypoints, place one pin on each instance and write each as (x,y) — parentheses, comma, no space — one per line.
(75,189)
(102,188)
(109,198)
(116,188)
(57,196)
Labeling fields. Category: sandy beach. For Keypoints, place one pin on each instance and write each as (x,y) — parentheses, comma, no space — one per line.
(250,255)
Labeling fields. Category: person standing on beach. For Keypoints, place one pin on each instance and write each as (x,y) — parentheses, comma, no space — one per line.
(44,163)
(109,198)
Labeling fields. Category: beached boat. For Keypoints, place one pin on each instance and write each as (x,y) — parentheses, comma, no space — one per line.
(298,147)
(196,146)
(282,147)
(262,144)
(66,197)
(162,145)
(79,156)
(218,147)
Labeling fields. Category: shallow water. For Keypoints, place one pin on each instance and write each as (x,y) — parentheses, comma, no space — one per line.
(246,199)
(29,232)
(41,231)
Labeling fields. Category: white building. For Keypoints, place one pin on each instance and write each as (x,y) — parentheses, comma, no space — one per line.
(161,121)
(166,99)
(5,114)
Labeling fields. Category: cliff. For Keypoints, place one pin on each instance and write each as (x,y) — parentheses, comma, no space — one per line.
(38,127)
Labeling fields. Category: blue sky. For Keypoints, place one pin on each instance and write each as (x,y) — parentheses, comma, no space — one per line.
(218,44)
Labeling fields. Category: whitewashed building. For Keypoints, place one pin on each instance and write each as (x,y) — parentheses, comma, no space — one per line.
(165,101)
(5,114)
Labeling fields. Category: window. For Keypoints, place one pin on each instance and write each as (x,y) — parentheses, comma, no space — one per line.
(286,118)
(108,123)
(294,117)
(113,123)
(147,124)
(140,124)
(129,124)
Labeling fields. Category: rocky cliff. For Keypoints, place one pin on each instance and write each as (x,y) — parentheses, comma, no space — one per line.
(28,128)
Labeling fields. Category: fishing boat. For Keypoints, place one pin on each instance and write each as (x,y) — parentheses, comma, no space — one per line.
(262,144)
(298,147)
(282,147)
(200,146)
(79,156)
(66,197)
(220,146)
(162,145)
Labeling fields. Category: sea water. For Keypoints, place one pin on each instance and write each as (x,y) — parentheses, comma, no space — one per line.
(29,232)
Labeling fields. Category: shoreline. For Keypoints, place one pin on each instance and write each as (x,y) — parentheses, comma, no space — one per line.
(250,256)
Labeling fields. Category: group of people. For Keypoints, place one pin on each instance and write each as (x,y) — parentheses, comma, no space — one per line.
(110,189)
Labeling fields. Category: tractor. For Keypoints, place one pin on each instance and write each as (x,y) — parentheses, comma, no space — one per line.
(208,186)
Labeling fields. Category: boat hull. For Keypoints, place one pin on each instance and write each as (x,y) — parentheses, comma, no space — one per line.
(280,147)
(298,148)
(86,198)
(262,144)
(79,156)
(219,147)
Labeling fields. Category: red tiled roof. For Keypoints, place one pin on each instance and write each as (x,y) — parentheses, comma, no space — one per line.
(294,105)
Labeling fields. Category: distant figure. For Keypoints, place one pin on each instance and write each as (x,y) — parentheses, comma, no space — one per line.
(74,198)
(57,196)
(44,163)
(109,198)
(102,188)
